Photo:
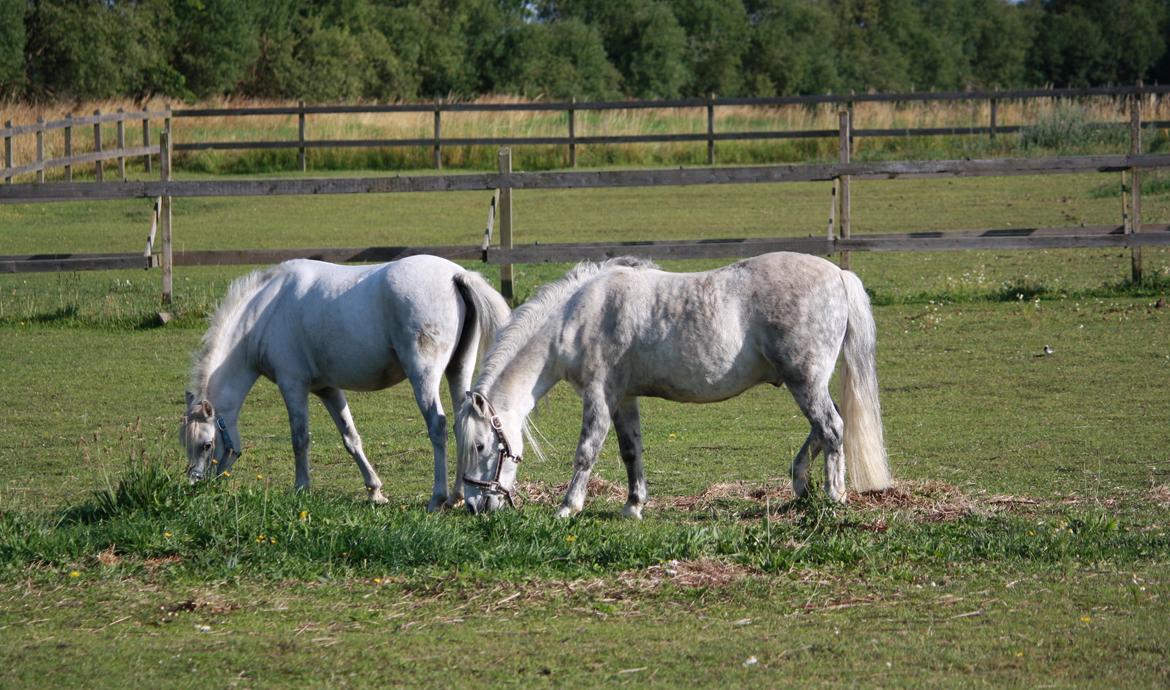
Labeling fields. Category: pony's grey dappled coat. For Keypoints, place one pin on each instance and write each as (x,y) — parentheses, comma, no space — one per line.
(624,329)
(314,327)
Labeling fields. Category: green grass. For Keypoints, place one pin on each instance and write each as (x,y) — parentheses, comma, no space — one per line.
(1027,545)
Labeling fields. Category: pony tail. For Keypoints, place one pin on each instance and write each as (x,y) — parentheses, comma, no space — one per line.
(484,304)
(864,442)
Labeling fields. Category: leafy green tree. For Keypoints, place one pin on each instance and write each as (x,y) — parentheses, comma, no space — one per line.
(1085,42)
(642,38)
(791,48)
(560,60)
(215,43)
(84,49)
(11,47)
(716,41)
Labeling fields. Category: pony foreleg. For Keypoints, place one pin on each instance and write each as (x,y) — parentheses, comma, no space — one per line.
(629,430)
(594,427)
(426,394)
(335,402)
(296,401)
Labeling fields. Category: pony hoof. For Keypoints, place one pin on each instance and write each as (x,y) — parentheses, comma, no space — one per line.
(377,498)
(632,511)
(436,503)
(453,502)
(564,512)
(800,488)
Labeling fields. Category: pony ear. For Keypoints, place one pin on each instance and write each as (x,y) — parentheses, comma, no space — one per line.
(479,402)
(208,410)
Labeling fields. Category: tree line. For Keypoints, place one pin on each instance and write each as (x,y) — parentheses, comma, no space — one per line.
(386,50)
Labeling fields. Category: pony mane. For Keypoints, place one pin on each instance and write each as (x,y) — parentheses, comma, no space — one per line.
(238,294)
(532,314)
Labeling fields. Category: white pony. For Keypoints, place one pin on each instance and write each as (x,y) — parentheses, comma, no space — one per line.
(314,327)
(624,329)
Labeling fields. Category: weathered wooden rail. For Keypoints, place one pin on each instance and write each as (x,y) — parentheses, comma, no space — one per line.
(571,140)
(1131,232)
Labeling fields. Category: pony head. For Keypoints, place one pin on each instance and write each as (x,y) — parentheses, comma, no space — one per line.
(489,445)
(203,439)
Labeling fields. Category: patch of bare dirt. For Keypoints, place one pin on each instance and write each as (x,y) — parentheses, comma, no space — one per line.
(926,501)
(690,574)
(1160,494)
(539,492)
(108,557)
(153,564)
(206,605)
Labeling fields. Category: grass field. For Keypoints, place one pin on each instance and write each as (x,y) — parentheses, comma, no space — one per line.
(1026,543)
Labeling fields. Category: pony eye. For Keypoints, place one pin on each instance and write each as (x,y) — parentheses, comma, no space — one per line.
(478,447)
(207,445)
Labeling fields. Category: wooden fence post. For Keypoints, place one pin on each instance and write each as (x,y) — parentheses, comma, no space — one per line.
(41,148)
(121,143)
(506,275)
(69,147)
(146,141)
(301,135)
(711,129)
(438,148)
(573,133)
(97,147)
(8,151)
(845,134)
(994,114)
(1135,186)
(164,165)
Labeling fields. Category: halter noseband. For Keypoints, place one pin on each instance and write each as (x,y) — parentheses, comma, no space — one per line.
(504,450)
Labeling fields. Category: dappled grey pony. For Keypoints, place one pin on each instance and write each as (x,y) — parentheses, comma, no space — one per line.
(624,329)
(314,327)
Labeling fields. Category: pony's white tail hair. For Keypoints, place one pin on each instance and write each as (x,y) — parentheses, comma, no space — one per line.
(488,308)
(864,444)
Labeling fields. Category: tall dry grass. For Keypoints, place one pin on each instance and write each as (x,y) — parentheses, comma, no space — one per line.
(867,115)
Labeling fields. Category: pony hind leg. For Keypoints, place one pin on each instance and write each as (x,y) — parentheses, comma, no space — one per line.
(800,463)
(334,401)
(827,433)
(628,425)
(594,428)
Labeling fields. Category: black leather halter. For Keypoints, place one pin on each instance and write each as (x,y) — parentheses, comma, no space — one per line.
(505,453)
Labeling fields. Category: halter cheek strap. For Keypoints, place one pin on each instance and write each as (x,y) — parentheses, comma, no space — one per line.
(504,453)
(230,452)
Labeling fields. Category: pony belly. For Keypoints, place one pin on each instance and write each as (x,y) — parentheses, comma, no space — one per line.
(700,389)
(361,378)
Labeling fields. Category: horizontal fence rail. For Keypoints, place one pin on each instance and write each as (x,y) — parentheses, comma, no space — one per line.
(467,182)
(1010,238)
(571,140)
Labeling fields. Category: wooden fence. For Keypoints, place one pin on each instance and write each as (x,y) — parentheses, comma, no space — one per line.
(1130,232)
(571,140)
(99,153)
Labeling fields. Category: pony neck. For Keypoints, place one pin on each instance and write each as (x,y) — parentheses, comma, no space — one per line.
(526,377)
(227,380)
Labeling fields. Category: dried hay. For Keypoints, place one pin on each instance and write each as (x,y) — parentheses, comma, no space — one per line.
(927,501)
(1160,494)
(539,492)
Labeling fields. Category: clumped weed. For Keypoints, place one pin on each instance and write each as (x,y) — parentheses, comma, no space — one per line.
(221,530)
